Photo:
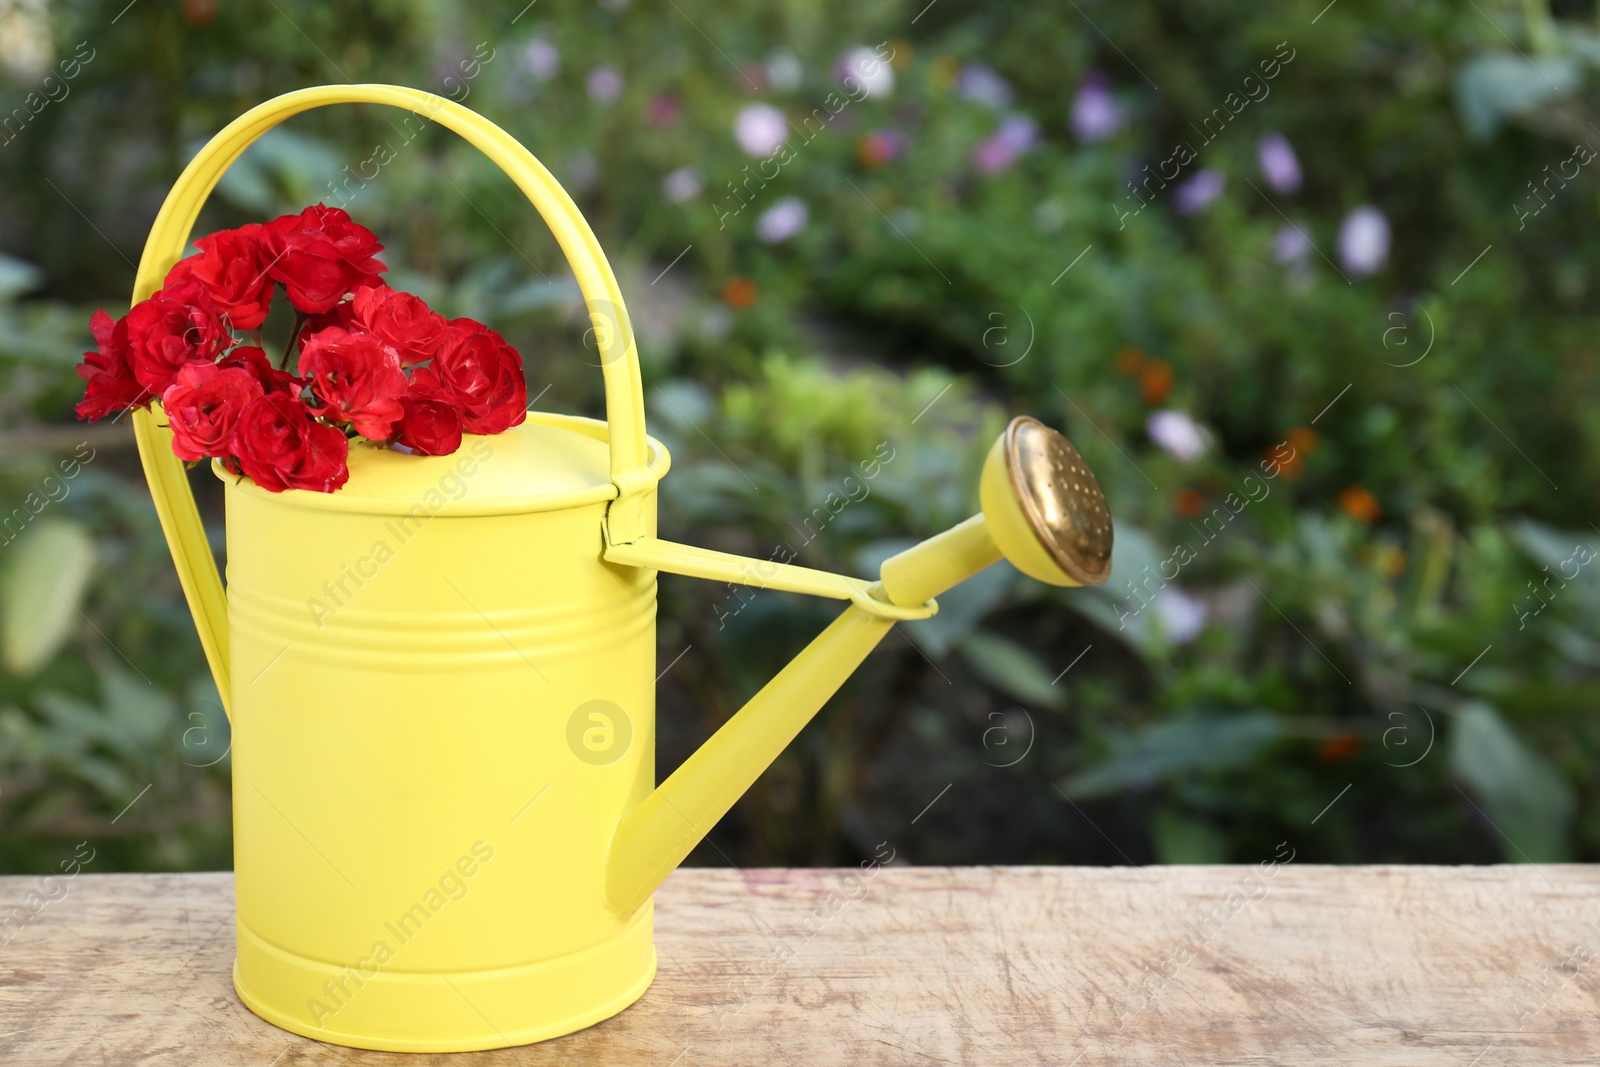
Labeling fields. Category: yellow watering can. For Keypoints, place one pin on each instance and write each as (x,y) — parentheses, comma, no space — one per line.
(441,679)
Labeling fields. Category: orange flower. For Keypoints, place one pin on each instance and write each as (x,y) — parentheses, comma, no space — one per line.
(1303,439)
(1130,360)
(1189,503)
(739,293)
(1359,504)
(1156,381)
(877,148)
(1389,559)
(1338,747)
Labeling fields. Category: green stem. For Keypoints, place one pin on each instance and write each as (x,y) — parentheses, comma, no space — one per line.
(294,335)
(1541,27)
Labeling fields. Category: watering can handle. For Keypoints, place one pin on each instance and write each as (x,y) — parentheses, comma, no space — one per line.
(169,483)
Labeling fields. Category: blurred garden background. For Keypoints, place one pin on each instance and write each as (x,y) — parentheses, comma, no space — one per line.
(1312,287)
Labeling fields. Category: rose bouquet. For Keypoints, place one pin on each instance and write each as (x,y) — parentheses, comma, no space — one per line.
(368,361)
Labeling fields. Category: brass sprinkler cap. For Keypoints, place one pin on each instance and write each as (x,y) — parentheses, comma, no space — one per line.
(1043,507)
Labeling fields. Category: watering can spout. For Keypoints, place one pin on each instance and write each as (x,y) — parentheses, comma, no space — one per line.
(1042,510)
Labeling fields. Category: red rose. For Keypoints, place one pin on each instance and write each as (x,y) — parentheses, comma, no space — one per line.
(354,378)
(182,271)
(177,325)
(431,423)
(400,319)
(280,446)
(341,314)
(233,271)
(482,373)
(109,384)
(320,255)
(203,407)
(272,380)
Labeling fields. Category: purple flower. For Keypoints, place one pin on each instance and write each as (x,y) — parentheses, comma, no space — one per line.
(1364,240)
(682,184)
(604,84)
(540,58)
(784,71)
(992,157)
(981,84)
(582,171)
(865,68)
(1279,165)
(782,220)
(1198,191)
(1290,244)
(665,109)
(760,130)
(1178,434)
(1182,616)
(1017,133)
(1096,114)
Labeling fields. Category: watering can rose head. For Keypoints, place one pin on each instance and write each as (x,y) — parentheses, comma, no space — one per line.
(367,361)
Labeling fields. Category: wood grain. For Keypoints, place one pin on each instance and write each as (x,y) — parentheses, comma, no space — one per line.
(1470,967)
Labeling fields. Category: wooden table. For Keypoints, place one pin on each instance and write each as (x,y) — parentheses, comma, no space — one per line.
(1467,966)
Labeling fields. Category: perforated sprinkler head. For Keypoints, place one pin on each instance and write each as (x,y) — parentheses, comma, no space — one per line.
(1044,508)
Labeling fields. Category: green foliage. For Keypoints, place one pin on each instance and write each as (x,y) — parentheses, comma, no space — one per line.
(1405,608)
(1175,746)
(1528,801)
(44,583)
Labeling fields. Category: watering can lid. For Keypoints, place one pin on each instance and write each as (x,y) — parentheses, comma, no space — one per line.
(548,463)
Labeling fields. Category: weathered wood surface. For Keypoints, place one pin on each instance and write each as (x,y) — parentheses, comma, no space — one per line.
(1470,967)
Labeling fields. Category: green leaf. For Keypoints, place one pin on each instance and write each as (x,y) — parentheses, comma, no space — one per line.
(44,583)
(1526,798)
(1493,88)
(1566,554)
(1135,556)
(960,611)
(538,294)
(1581,43)
(136,713)
(17,276)
(681,404)
(1013,669)
(1194,743)
(1181,839)
(283,167)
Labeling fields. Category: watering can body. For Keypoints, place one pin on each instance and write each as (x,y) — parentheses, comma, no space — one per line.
(442,704)
(440,678)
